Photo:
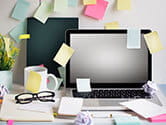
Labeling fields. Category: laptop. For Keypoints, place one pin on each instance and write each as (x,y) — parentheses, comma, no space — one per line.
(116,73)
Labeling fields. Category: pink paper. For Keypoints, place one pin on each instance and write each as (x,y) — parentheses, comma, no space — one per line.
(10,122)
(159,118)
(96,11)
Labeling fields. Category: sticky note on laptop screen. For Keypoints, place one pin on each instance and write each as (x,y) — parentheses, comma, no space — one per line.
(70,106)
(63,55)
(83,85)
(33,82)
(123,4)
(96,11)
(153,42)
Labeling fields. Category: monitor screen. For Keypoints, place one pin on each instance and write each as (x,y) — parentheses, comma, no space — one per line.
(105,59)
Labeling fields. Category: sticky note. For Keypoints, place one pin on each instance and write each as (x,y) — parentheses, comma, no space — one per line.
(64,54)
(18,30)
(33,82)
(111,25)
(43,12)
(160,118)
(83,85)
(54,86)
(60,5)
(89,2)
(153,42)
(62,73)
(24,36)
(123,4)
(127,120)
(7,46)
(10,122)
(21,9)
(96,11)
(162,88)
(72,3)
(133,38)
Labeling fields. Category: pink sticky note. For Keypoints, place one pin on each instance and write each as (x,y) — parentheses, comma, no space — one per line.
(96,11)
(10,122)
(42,65)
(159,118)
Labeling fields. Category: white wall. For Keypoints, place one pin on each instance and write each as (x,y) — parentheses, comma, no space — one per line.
(144,14)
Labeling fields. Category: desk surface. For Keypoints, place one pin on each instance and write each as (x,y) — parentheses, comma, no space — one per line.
(67,121)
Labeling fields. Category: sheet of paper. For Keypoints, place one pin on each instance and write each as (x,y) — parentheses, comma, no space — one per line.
(24,36)
(111,25)
(89,2)
(144,108)
(96,11)
(133,38)
(70,106)
(153,42)
(7,46)
(60,5)
(73,3)
(43,12)
(64,54)
(18,30)
(83,85)
(123,4)
(33,82)
(21,9)
(127,120)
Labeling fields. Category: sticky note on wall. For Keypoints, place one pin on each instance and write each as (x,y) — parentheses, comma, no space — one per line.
(60,5)
(133,38)
(123,4)
(20,10)
(96,11)
(72,3)
(111,25)
(153,42)
(64,54)
(24,36)
(89,2)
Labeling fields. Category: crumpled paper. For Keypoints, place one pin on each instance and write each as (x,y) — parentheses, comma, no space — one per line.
(83,118)
(150,87)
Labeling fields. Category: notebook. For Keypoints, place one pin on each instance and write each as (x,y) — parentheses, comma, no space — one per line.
(10,111)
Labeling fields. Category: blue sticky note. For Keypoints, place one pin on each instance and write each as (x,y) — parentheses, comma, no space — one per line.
(21,9)
(127,120)
(162,87)
(18,30)
(133,38)
(72,3)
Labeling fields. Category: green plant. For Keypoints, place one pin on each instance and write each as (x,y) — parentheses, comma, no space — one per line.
(8,53)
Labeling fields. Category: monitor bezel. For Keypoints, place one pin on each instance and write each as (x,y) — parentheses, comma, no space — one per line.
(106,85)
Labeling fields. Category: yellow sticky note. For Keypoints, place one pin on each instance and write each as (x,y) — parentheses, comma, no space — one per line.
(24,36)
(33,82)
(124,4)
(153,42)
(64,54)
(112,25)
(89,2)
(7,46)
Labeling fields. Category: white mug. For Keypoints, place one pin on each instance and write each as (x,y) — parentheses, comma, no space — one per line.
(43,71)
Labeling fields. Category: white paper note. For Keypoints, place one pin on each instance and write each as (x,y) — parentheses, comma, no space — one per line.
(83,85)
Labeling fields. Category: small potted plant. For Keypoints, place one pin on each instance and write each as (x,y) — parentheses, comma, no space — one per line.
(8,53)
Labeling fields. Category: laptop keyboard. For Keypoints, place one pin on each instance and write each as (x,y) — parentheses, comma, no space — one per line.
(112,94)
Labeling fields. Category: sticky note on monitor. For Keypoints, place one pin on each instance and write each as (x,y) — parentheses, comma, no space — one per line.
(43,12)
(133,38)
(24,36)
(70,106)
(123,4)
(127,120)
(153,42)
(72,3)
(89,2)
(33,82)
(112,25)
(60,5)
(18,30)
(64,54)
(20,10)
(96,11)
(83,85)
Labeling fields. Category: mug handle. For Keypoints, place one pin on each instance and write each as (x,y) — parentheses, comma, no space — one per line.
(54,79)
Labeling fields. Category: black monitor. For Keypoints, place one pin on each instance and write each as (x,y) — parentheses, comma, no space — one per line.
(103,56)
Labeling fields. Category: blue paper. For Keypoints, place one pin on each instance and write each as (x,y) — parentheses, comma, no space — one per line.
(18,30)
(133,39)
(72,3)
(162,88)
(21,9)
(127,120)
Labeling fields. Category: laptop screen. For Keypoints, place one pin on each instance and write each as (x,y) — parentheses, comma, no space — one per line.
(106,60)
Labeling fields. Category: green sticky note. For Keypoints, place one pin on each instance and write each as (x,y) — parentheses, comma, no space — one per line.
(72,3)
(127,120)
(43,12)
(18,30)
(21,9)
(62,73)
(51,85)
(60,5)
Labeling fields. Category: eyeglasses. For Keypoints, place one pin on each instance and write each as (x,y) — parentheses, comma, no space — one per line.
(44,96)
